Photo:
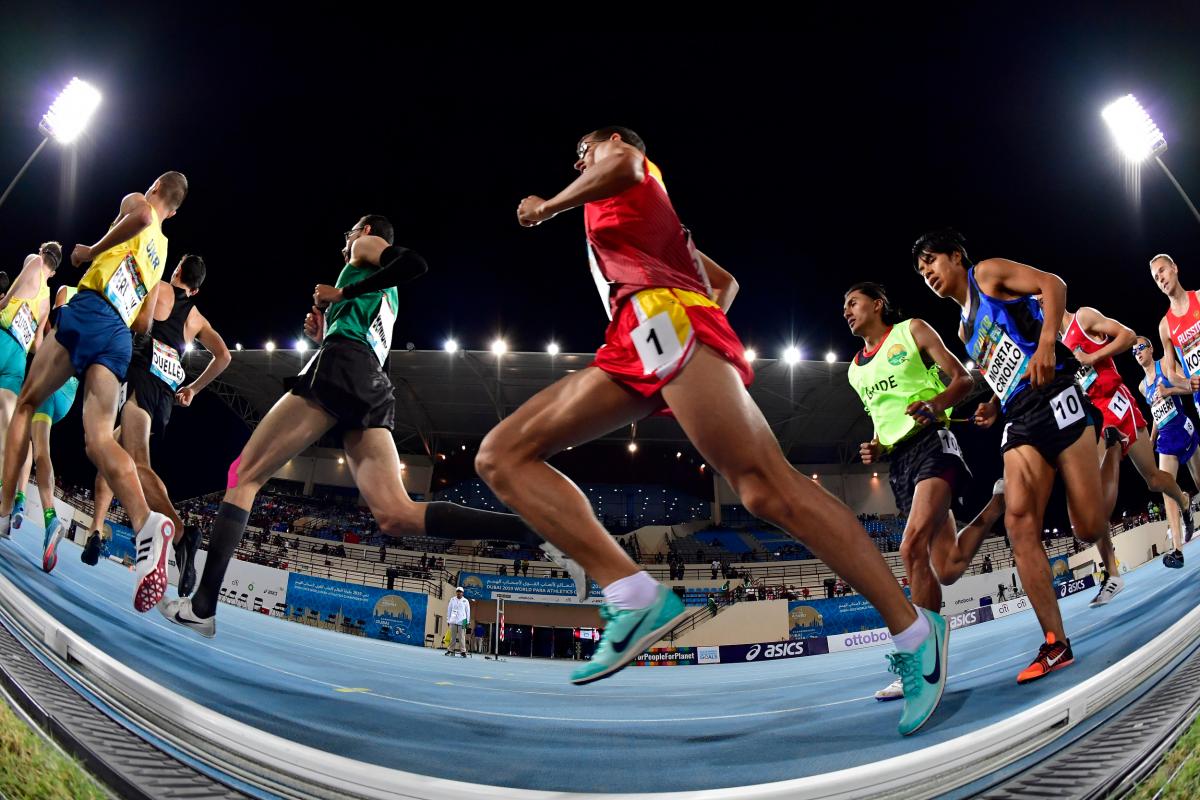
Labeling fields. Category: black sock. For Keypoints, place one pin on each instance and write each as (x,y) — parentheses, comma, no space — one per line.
(451,521)
(226,534)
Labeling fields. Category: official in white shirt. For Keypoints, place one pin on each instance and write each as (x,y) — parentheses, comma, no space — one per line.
(458,615)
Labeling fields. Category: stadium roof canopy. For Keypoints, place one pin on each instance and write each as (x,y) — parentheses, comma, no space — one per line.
(443,398)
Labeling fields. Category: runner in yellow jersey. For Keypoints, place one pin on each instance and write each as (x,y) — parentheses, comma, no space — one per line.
(24,309)
(91,341)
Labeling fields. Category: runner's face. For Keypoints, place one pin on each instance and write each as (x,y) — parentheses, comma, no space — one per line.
(1165,274)
(938,272)
(591,148)
(1144,354)
(859,311)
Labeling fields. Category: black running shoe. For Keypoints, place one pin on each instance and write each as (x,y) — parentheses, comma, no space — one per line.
(1189,525)
(91,550)
(1171,561)
(185,560)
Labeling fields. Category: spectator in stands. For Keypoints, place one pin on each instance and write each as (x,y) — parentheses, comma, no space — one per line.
(516,566)
(503,570)
(458,615)
(383,554)
(1000,591)
(987,563)
(712,605)
(525,568)
(805,593)
(716,565)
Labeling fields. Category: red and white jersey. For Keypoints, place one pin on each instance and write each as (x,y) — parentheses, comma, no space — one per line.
(1101,380)
(1185,335)
(636,241)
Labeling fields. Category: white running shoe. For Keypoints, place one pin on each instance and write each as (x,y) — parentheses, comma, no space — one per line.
(180,612)
(150,565)
(893,691)
(572,567)
(1108,590)
(998,487)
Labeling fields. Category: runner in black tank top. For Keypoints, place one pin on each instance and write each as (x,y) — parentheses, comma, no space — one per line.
(156,382)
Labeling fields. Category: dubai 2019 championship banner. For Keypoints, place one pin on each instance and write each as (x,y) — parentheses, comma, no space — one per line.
(808,619)
(480,586)
(401,613)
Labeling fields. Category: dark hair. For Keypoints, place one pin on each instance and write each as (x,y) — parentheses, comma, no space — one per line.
(1149,343)
(5,282)
(173,186)
(192,271)
(876,291)
(627,136)
(945,241)
(53,252)
(380,226)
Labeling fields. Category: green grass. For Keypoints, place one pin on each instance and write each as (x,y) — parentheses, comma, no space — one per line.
(33,769)
(1178,777)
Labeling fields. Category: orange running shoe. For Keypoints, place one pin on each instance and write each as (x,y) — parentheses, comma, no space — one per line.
(1051,656)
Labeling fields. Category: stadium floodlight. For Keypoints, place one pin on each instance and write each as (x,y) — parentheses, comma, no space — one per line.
(450,346)
(238,346)
(791,355)
(189,347)
(1139,139)
(270,346)
(633,449)
(301,346)
(499,347)
(970,365)
(830,357)
(63,122)
(552,348)
(750,355)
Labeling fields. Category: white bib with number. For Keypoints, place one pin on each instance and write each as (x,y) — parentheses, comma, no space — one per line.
(949,443)
(1067,407)
(1005,365)
(379,336)
(125,290)
(657,343)
(1119,405)
(1085,376)
(166,365)
(1163,411)
(1191,358)
(23,326)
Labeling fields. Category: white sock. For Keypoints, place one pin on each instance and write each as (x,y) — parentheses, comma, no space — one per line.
(635,591)
(912,637)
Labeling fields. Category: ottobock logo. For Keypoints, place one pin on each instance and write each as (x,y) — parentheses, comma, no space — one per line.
(781,650)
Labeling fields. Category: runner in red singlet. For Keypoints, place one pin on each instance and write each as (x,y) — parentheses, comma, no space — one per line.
(1094,339)
(669,345)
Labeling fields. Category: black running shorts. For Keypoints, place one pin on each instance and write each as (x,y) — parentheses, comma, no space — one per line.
(345,379)
(1050,418)
(153,396)
(929,453)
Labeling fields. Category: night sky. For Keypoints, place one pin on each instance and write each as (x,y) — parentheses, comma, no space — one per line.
(802,162)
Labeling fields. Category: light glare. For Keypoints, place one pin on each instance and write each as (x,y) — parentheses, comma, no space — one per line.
(1137,137)
(70,112)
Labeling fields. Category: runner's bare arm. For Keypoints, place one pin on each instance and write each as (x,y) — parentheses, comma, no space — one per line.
(136,215)
(62,296)
(724,285)
(1170,366)
(960,384)
(214,344)
(26,283)
(1095,324)
(622,168)
(1005,279)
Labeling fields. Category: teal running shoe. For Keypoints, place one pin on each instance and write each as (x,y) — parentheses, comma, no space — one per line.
(923,674)
(18,512)
(627,634)
(54,533)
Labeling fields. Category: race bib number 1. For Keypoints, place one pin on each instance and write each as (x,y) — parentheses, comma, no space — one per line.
(656,342)
(1067,407)
(125,290)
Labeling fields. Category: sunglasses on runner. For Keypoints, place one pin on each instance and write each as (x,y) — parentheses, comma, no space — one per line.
(1137,348)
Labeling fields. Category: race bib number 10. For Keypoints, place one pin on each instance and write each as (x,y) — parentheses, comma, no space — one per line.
(1067,407)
